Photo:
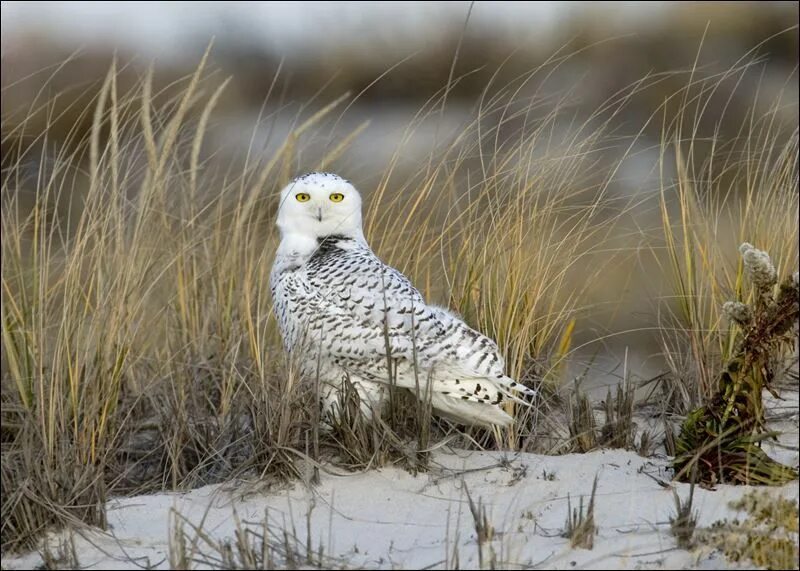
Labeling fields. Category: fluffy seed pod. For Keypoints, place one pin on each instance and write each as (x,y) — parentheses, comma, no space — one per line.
(759,266)
(738,312)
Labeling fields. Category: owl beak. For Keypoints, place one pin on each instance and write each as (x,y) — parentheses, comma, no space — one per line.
(319,214)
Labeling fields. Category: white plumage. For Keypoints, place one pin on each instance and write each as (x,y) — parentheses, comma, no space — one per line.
(344,313)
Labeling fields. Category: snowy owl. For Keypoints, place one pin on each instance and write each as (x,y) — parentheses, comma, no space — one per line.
(343,313)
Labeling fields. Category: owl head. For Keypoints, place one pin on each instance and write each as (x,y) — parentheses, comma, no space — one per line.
(320,204)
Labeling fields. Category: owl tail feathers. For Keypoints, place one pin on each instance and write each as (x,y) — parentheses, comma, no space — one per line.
(470,412)
(506,385)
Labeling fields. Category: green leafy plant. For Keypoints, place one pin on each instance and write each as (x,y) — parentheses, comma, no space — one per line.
(721,439)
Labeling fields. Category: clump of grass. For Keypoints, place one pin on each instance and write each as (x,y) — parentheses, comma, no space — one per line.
(484,531)
(684,521)
(645,446)
(580,527)
(767,537)
(722,438)
(582,424)
(60,553)
(618,429)
(400,436)
(255,545)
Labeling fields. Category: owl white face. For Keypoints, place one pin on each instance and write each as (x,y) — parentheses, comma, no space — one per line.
(320,204)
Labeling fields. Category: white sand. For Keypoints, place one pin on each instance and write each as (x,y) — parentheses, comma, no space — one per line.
(390,519)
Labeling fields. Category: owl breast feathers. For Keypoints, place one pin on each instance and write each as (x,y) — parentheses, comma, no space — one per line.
(343,313)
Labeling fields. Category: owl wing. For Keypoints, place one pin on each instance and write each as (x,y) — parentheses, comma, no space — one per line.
(379,314)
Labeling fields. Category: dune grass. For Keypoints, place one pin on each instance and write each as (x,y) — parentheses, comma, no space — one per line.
(730,193)
(139,348)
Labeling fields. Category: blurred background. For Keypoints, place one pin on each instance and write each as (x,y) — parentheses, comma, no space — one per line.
(287,60)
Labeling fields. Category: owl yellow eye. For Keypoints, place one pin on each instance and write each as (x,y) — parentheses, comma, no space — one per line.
(302,197)
(336,197)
